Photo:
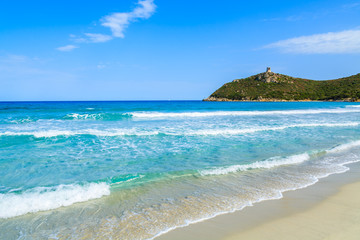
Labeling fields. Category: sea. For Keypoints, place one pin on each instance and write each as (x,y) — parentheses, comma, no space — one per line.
(136,170)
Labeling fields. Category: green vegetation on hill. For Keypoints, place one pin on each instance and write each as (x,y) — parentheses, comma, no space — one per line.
(270,86)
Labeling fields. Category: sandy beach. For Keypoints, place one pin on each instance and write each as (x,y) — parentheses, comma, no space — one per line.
(330,209)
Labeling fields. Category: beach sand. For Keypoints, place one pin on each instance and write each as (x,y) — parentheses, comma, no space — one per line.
(329,209)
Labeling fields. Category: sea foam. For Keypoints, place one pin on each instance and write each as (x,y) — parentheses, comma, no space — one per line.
(279,161)
(95,132)
(269,163)
(353,106)
(47,198)
(344,147)
(239,113)
(97,116)
(233,131)
(139,132)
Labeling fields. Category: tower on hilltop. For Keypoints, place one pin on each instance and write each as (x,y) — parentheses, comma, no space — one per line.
(268,69)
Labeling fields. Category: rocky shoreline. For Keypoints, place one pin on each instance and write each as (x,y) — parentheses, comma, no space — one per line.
(214,99)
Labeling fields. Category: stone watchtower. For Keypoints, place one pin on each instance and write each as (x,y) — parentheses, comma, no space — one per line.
(268,76)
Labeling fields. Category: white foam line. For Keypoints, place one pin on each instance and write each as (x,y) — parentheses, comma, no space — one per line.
(96,116)
(95,132)
(270,163)
(276,161)
(353,106)
(239,113)
(252,130)
(134,132)
(344,147)
(47,198)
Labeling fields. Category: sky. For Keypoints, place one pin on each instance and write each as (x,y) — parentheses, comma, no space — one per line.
(168,50)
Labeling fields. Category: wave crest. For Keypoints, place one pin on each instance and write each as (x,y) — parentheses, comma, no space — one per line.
(98,116)
(344,147)
(47,198)
(239,113)
(137,132)
(269,163)
(260,129)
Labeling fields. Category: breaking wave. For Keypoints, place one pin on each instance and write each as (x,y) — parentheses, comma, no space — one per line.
(239,113)
(47,198)
(269,163)
(139,132)
(98,116)
(277,161)
(253,130)
(344,147)
(95,132)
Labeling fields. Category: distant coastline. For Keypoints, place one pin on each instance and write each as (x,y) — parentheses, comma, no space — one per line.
(275,87)
(213,99)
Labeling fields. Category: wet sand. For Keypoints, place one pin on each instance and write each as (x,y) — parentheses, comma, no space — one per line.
(330,209)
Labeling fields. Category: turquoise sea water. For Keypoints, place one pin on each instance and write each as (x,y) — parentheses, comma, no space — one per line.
(134,170)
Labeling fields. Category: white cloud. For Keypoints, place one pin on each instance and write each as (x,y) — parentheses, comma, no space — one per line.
(66,48)
(332,42)
(97,37)
(118,22)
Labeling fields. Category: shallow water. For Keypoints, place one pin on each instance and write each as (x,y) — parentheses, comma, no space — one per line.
(134,170)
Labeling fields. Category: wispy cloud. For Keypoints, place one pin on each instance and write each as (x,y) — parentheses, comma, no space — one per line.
(332,42)
(98,37)
(293,18)
(117,22)
(351,5)
(12,58)
(66,48)
(101,66)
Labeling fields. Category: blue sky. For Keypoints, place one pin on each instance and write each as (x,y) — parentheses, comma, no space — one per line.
(168,50)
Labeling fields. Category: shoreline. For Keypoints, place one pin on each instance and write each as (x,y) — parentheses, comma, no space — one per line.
(213,99)
(261,220)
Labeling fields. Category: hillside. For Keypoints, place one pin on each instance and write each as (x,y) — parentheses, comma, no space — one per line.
(269,86)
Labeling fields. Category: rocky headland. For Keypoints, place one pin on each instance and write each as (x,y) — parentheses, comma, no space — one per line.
(270,86)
